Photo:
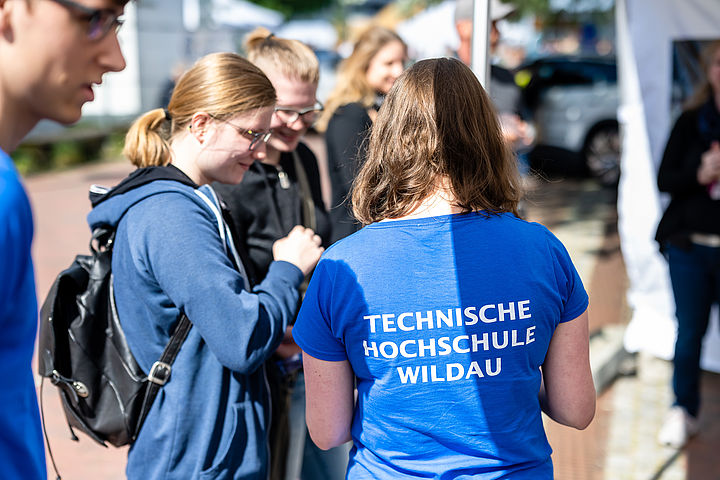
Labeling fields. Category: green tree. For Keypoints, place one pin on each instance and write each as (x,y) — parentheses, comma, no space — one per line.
(290,8)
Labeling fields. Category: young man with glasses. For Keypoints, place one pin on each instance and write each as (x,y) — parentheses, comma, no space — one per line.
(53,53)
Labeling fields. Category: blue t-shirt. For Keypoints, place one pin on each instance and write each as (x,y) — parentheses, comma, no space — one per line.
(446,322)
(22,453)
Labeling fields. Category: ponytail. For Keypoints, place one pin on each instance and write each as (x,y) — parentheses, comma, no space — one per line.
(146,143)
(221,84)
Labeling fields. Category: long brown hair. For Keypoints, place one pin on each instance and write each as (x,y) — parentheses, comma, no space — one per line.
(704,90)
(437,123)
(352,85)
(221,84)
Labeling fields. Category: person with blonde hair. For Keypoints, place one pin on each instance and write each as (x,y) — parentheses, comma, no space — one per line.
(281,191)
(457,321)
(377,59)
(173,255)
(689,236)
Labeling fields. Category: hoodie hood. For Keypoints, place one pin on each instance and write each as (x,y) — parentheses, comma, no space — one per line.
(110,205)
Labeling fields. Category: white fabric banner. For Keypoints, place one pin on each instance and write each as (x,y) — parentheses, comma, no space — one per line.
(646,30)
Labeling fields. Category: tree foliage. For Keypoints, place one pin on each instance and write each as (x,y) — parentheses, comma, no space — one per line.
(293,7)
(540,9)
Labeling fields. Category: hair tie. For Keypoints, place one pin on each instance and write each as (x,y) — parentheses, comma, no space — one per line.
(167,114)
(269,36)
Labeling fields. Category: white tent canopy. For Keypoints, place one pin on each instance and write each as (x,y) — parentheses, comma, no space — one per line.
(318,33)
(437,19)
(646,30)
(243,14)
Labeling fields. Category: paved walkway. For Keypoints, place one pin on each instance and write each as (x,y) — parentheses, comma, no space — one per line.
(60,202)
(620,444)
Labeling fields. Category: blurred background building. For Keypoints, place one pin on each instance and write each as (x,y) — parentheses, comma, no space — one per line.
(159,36)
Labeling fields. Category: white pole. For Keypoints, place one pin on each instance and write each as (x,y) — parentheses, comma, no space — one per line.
(480,59)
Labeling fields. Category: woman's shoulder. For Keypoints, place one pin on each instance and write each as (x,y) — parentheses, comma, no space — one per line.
(688,116)
(508,229)
(351,107)
(350,118)
(533,229)
(354,109)
(686,124)
(167,202)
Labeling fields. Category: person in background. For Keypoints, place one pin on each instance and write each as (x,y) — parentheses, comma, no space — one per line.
(172,254)
(167,88)
(281,191)
(504,92)
(377,60)
(454,354)
(53,54)
(689,237)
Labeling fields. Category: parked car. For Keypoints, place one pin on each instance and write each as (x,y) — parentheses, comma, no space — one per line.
(573,104)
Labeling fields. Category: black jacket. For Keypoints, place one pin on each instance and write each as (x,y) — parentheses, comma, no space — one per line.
(346,143)
(691,209)
(263,211)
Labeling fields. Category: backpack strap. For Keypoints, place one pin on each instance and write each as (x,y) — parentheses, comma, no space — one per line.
(160,371)
(209,196)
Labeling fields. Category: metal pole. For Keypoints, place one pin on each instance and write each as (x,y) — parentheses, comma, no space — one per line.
(480,59)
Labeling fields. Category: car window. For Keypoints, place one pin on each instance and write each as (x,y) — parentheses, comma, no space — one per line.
(544,74)
(575,73)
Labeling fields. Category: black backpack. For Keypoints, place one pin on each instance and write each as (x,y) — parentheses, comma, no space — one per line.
(82,348)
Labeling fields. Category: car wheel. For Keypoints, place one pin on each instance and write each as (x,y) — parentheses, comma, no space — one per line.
(602,154)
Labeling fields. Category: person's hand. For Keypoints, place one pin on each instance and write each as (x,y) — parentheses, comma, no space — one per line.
(287,347)
(301,248)
(709,170)
(517,132)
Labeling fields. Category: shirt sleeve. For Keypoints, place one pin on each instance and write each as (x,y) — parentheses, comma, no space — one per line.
(177,244)
(313,330)
(570,286)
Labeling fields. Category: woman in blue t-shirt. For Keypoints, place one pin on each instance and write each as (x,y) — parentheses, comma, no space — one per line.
(457,321)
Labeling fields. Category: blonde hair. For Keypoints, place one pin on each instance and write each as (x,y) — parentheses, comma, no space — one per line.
(704,90)
(352,84)
(291,58)
(221,84)
(436,123)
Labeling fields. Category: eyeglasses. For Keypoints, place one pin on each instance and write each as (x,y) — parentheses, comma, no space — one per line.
(254,136)
(308,115)
(99,20)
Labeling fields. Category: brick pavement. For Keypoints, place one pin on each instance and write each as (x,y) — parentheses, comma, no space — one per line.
(60,203)
(618,445)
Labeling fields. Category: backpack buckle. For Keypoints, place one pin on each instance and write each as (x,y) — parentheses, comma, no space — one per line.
(159,373)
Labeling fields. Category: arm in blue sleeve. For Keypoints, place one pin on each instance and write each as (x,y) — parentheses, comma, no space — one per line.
(313,330)
(178,241)
(570,286)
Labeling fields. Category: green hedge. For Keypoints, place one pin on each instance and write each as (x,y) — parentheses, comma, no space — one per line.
(61,154)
